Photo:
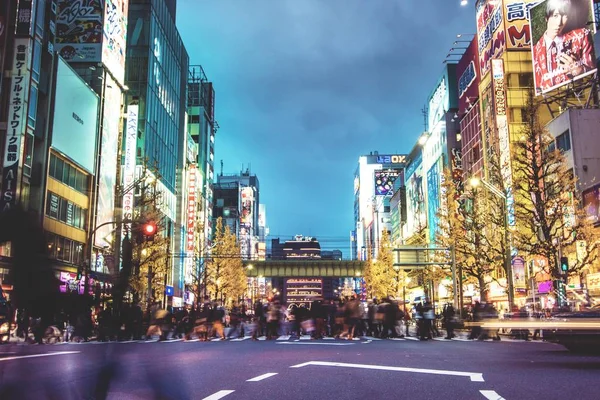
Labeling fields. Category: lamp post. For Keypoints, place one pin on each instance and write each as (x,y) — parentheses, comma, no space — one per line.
(507,256)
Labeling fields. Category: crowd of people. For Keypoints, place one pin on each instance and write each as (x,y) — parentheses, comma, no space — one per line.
(347,318)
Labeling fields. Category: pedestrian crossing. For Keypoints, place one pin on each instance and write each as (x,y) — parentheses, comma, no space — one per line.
(291,338)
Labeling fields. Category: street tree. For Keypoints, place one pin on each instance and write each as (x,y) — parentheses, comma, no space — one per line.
(471,223)
(225,275)
(380,275)
(550,219)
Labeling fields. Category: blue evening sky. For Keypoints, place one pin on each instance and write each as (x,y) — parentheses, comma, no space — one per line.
(304,87)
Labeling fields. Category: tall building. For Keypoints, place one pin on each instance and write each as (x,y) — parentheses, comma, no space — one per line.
(156,103)
(376,179)
(299,248)
(236,201)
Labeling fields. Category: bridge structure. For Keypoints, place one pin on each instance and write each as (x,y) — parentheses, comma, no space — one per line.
(304,268)
(300,282)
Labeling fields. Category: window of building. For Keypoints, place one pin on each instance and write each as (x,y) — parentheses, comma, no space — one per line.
(563,141)
(31,113)
(37,60)
(28,162)
(525,80)
(65,211)
(40,17)
(69,175)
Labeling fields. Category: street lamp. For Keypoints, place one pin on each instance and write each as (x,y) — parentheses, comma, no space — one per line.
(464,2)
(475,182)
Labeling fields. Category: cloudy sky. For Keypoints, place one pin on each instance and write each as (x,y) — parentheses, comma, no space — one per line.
(304,87)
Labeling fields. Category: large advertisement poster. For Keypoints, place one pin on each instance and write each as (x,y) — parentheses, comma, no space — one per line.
(79,30)
(591,203)
(15,126)
(415,199)
(433,197)
(191,215)
(246,221)
(75,118)
(490,33)
(301,292)
(109,146)
(562,42)
(438,104)
(516,23)
(384,181)
(115,37)
(468,77)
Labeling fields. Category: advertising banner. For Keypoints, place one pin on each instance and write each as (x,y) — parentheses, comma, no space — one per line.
(109,146)
(562,42)
(302,291)
(499,84)
(516,23)
(591,203)
(593,282)
(384,181)
(15,125)
(192,188)
(415,200)
(79,30)
(114,35)
(488,122)
(75,118)
(24,18)
(518,271)
(457,172)
(438,104)
(433,197)
(130,161)
(467,74)
(490,33)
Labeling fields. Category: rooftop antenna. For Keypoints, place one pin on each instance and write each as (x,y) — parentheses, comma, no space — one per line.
(424,112)
(221,167)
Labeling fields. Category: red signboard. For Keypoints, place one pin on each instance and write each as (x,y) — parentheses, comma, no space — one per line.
(467,75)
(191,210)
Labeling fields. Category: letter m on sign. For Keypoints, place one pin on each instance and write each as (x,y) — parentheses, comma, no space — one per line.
(519,37)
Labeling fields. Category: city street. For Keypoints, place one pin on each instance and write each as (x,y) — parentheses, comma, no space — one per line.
(299,369)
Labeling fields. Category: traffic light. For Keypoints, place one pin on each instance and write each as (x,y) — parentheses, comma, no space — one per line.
(564,265)
(149,230)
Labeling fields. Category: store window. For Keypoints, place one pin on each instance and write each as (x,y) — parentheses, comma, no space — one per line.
(563,141)
(32,110)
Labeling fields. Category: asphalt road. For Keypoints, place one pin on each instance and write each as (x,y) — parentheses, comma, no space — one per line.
(304,369)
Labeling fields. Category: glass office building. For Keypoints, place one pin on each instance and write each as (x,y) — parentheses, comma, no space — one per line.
(156,75)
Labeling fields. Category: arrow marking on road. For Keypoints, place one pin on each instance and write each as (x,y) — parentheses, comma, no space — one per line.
(491,395)
(317,343)
(54,353)
(261,377)
(474,376)
(219,395)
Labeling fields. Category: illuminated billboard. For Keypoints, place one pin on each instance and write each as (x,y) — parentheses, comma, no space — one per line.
(75,118)
(191,216)
(591,203)
(516,23)
(438,103)
(384,181)
(433,197)
(303,291)
(109,146)
(129,172)
(562,43)
(18,91)
(114,34)
(468,77)
(79,30)
(415,198)
(490,33)
(499,85)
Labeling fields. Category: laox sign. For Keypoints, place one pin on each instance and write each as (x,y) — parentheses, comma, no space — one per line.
(391,159)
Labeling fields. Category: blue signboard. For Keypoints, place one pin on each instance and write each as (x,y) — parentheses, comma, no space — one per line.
(169,291)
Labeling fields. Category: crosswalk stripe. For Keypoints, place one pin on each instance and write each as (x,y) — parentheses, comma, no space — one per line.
(305,337)
(241,339)
(410,338)
(284,337)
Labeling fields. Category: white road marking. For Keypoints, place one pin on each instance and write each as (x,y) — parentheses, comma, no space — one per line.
(462,340)
(396,338)
(372,338)
(328,338)
(261,377)
(171,340)
(54,353)
(305,337)
(491,395)
(474,376)
(219,395)
(284,337)
(216,340)
(262,338)
(411,338)
(239,339)
(317,343)
(129,341)
(193,340)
